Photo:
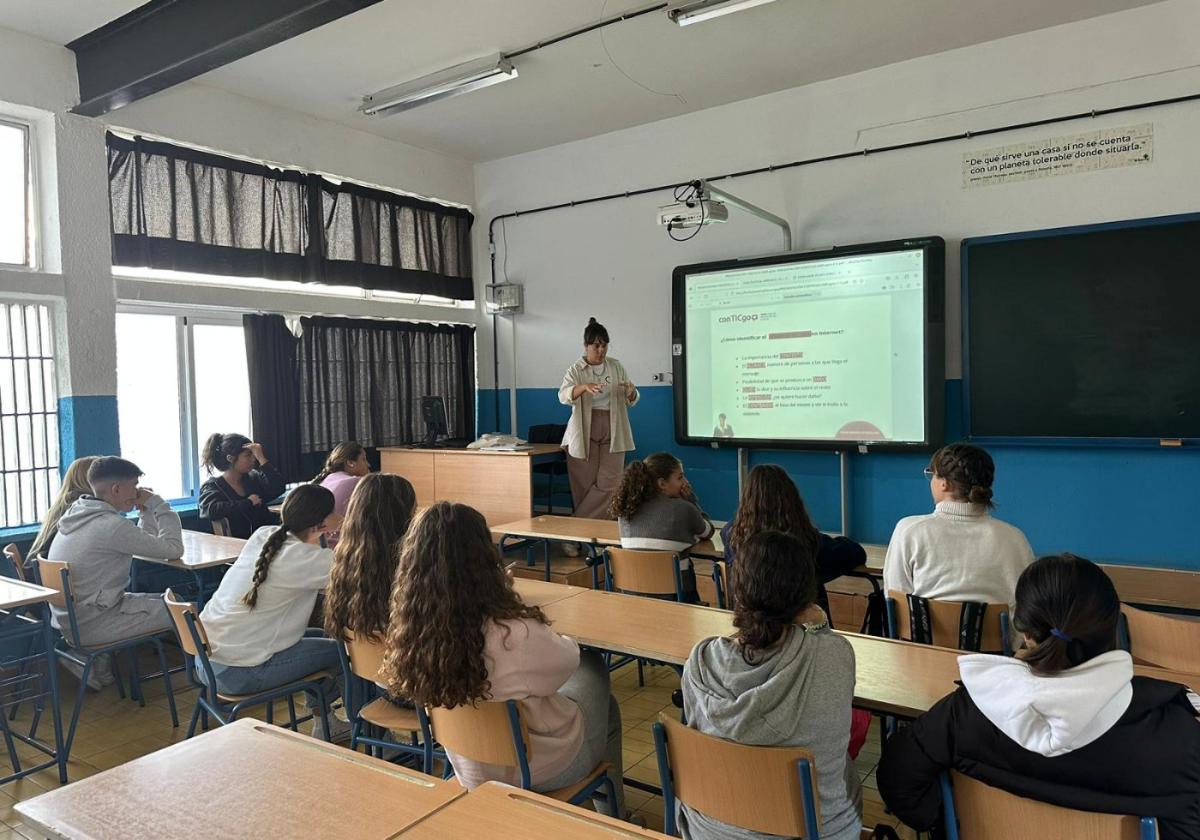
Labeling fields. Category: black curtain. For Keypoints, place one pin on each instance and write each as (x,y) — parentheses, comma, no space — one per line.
(275,392)
(362,380)
(185,210)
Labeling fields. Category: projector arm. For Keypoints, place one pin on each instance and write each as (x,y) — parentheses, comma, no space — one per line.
(704,189)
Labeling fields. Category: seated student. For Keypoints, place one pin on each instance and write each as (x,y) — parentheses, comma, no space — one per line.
(958,552)
(257,621)
(656,509)
(1064,722)
(346,464)
(460,633)
(74,487)
(99,542)
(783,679)
(770,501)
(359,596)
(246,484)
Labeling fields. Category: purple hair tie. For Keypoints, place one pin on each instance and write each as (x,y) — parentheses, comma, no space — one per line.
(1058,634)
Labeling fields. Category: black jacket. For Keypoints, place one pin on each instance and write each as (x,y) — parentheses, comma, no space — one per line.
(1147,765)
(219,501)
(835,557)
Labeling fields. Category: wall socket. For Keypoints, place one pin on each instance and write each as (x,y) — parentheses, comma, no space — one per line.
(660,377)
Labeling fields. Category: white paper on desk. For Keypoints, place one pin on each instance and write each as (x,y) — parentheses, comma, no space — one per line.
(506,447)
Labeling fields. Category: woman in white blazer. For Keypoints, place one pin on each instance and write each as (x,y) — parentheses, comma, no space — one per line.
(598,434)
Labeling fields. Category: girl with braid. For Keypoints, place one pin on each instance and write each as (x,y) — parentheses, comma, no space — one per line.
(958,552)
(257,619)
(344,468)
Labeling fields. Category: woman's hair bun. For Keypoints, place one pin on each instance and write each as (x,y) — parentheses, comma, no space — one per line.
(591,321)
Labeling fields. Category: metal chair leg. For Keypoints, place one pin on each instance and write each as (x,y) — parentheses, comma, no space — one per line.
(166,676)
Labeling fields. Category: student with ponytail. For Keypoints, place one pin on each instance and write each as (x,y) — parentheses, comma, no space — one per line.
(257,620)
(959,552)
(1064,722)
(246,484)
(656,509)
(346,464)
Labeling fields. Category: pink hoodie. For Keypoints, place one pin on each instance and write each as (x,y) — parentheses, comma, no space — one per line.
(529,662)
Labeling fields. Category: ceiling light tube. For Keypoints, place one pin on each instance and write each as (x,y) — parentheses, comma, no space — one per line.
(695,11)
(461,78)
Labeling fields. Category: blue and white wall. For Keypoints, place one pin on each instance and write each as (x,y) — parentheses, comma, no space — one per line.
(611,261)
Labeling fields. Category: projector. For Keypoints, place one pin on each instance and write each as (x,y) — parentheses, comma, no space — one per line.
(693,213)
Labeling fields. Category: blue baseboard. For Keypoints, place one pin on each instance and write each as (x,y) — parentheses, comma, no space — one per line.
(1110,505)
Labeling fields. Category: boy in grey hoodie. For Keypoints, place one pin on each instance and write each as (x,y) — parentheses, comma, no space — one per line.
(100,543)
(777,683)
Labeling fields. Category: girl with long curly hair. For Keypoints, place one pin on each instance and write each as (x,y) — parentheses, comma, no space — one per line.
(460,634)
(359,596)
(257,621)
(782,679)
(656,509)
(771,501)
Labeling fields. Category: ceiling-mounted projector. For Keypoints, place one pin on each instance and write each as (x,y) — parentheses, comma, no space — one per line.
(692,213)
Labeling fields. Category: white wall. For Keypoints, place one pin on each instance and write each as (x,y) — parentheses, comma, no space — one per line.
(611,261)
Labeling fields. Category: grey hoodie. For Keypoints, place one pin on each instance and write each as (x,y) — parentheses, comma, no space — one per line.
(798,694)
(100,544)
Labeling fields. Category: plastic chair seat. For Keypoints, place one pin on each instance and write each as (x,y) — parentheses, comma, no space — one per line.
(316,676)
(565,794)
(386,714)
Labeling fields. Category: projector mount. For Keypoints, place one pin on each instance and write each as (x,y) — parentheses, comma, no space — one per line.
(699,203)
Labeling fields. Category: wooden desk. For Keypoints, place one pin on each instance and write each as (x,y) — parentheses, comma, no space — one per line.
(589,532)
(247,779)
(16,593)
(500,812)
(894,677)
(202,550)
(539,593)
(497,484)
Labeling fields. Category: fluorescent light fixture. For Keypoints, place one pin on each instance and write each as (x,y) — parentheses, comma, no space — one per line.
(461,78)
(695,11)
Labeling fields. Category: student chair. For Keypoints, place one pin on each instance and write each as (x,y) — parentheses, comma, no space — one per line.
(220,527)
(226,707)
(496,733)
(767,789)
(13,555)
(372,715)
(653,574)
(69,649)
(967,625)
(977,811)
(1161,640)
(554,467)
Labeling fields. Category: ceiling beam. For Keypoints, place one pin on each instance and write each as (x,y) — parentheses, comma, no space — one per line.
(165,42)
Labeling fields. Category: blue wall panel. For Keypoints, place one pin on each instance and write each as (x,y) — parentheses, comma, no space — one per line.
(87,426)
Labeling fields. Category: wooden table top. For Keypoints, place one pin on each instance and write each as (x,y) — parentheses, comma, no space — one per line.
(534,450)
(202,550)
(894,677)
(539,593)
(500,812)
(247,779)
(600,532)
(17,593)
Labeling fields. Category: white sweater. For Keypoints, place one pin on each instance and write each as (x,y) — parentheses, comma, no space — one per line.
(956,553)
(239,635)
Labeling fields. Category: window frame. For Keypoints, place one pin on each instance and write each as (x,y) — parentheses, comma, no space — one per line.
(30,262)
(185,319)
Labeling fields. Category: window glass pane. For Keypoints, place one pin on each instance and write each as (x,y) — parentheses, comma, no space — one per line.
(222,384)
(28,416)
(148,400)
(13,192)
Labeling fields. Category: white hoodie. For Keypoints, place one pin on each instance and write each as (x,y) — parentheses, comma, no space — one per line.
(1050,715)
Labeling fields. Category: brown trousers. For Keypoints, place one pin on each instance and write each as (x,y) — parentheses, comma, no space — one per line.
(594,480)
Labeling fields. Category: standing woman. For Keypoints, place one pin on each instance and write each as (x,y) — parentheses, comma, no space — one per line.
(246,484)
(598,434)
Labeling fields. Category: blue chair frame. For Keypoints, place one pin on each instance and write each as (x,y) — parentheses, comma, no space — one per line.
(208,699)
(804,773)
(585,793)
(360,692)
(1147,826)
(85,657)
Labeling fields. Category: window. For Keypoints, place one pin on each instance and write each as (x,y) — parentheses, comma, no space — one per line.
(28,414)
(179,379)
(15,195)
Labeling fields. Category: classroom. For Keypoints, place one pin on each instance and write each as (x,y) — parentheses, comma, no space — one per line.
(618,418)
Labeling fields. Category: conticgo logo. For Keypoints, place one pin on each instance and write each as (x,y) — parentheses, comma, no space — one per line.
(729,319)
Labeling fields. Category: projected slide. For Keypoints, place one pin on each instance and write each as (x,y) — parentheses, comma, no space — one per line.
(826,350)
